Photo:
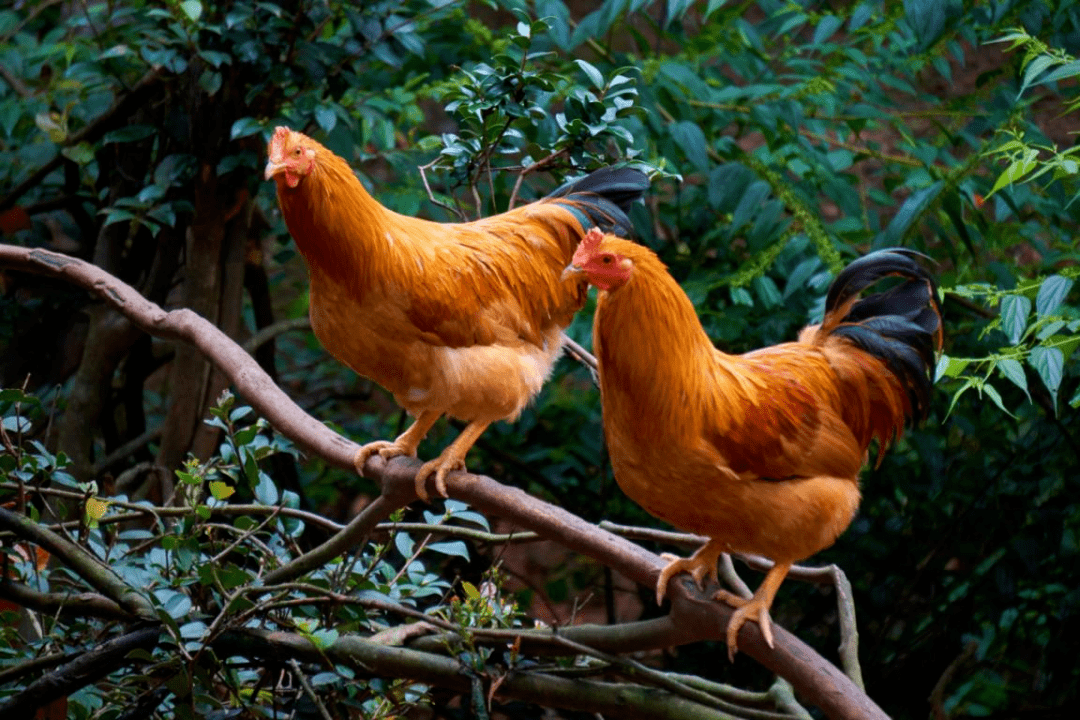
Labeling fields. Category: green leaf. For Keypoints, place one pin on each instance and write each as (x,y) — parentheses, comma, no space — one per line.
(193,9)
(326,117)
(244,127)
(82,153)
(1012,370)
(131,133)
(456,548)
(1014,316)
(1050,364)
(1052,293)
(912,209)
(994,396)
(221,490)
(1016,170)
(595,76)
(691,140)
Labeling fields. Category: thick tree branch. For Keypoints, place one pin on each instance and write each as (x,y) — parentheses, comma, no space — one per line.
(693,616)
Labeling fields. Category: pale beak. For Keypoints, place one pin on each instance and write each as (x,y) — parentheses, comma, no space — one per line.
(571,270)
(272,169)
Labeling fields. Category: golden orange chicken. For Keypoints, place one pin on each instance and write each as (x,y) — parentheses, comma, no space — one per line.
(759,452)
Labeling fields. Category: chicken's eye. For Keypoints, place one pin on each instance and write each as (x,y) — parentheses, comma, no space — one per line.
(606,259)
(296,152)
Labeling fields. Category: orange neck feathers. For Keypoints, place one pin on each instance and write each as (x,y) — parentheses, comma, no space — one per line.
(647,335)
(337,225)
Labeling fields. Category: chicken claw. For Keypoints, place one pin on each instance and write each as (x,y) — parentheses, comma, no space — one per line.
(700,565)
(755,608)
(386,449)
(441,466)
(404,444)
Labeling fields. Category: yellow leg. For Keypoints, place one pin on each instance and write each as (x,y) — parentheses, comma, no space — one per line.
(452,458)
(405,444)
(699,565)
(756,608)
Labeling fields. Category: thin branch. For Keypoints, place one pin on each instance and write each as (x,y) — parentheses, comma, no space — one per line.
(298,672)
(99,575)
(583,356)
(124,450)
(270,332)
(60,603)
(379,660)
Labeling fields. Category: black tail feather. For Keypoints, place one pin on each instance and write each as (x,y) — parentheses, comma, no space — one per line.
(902,325)
(604,197)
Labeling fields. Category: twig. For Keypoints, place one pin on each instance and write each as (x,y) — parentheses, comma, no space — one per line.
(431,196)
(270,332)
(298,672)
(124,450)
(583,356)
(937,695)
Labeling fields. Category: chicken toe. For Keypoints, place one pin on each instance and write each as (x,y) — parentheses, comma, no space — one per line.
(405,443)
(755,608)
(451,459)
(440,466)
(700,565)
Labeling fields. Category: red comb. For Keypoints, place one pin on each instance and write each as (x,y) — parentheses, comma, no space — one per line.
(592,238)
(589,244)
(276,149)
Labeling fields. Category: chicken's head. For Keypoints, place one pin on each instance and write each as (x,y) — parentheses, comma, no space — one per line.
(598,261)
(291,156)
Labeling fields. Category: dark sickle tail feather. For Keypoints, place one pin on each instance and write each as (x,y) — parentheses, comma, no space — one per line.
(902,325)
(603,198)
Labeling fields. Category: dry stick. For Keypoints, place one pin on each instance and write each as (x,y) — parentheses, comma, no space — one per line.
(693,617)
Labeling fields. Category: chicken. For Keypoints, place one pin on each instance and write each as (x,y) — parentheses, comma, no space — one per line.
(759,452)
(459,319)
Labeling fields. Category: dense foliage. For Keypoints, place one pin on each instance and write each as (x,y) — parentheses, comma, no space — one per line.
(784,138)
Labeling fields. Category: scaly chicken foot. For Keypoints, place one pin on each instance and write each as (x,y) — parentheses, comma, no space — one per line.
(404,444)
(700,565)
(451,459)
(755,608)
